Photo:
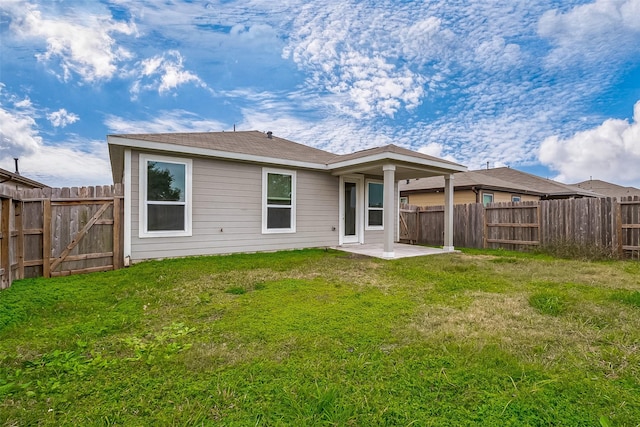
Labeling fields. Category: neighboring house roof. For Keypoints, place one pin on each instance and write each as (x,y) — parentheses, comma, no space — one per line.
(261,148)
(463,181)
(607,189)
(8,178)
(499,179)
(551,188)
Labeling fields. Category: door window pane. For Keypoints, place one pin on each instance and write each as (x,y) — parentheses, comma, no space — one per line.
(350,209)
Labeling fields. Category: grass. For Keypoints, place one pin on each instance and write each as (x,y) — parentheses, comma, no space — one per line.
(323,338)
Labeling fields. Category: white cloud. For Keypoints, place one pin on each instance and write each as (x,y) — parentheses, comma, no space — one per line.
(72,163)
(163,73)
(346,50)
(18,128)
(62,118)
(592,32)
(81,44)
(85,163)
(166,121)
(610,152)
(436,149)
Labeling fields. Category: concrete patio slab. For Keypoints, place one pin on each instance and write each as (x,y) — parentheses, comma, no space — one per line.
(400,250)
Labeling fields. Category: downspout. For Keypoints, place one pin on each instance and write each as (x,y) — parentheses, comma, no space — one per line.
(477,192)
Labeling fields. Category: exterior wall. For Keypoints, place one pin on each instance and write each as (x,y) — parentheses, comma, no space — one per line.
(437,199)
(227,213)
(499,197)
(463,197)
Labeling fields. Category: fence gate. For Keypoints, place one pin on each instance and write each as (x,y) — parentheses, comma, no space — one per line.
(83,237)
(59,231)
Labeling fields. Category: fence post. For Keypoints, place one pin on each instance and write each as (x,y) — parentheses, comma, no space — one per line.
(46,237)
(539,216)
(19,224)
(117,252)
(485,228)
(617,236)
(5,244)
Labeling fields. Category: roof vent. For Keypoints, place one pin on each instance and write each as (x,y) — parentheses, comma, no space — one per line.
(17,170)
(270,135)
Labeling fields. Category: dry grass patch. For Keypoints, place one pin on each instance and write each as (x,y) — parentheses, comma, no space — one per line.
(509,321)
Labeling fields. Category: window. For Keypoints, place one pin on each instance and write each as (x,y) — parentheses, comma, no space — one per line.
(278,201)
(375,205)
(165,196)
(404,200)
(516,199)
(487,198)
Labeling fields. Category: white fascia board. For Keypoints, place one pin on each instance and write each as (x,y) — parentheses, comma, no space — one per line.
(400,158)
(206,152)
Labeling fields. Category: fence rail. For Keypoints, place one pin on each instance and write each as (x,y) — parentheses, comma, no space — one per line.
(605,223)
(61,231)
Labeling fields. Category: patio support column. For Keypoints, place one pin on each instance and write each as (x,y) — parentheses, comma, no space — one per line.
(389,209)
(448,213)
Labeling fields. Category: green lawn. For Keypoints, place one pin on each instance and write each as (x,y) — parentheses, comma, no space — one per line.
(320,337)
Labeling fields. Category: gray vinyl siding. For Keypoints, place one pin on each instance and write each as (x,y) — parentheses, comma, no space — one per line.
(227,213)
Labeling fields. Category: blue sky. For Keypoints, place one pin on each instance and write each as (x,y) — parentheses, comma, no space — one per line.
(548,87)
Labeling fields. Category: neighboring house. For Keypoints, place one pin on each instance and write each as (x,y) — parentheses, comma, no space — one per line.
(488,186)
(224,192)
(608,189)
(17,181)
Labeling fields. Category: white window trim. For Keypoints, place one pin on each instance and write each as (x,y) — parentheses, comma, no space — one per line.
(142,231)
(265,207)
(367,208)
(513,196)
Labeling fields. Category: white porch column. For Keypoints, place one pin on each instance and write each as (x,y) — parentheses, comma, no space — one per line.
(448,213)
(389,209)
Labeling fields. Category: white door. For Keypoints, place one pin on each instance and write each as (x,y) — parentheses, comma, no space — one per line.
(351,210)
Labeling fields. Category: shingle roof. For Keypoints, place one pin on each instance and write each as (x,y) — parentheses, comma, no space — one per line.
(607,188)
(258,147)
(242,142)
(391,148)
(506,179)
(544,185)
(467,179)
(6,176)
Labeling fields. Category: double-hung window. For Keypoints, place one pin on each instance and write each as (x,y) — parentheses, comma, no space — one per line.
(375,205)
(165,196)
(278,201)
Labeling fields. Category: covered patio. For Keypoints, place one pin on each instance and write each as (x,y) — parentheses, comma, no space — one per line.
(383,167)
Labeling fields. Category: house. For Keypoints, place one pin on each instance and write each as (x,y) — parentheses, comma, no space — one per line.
(607,189)
(488,186)
(17,181)
(224,192)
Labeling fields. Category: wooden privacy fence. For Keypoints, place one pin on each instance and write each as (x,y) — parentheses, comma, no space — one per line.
(605,223)
(60,231)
